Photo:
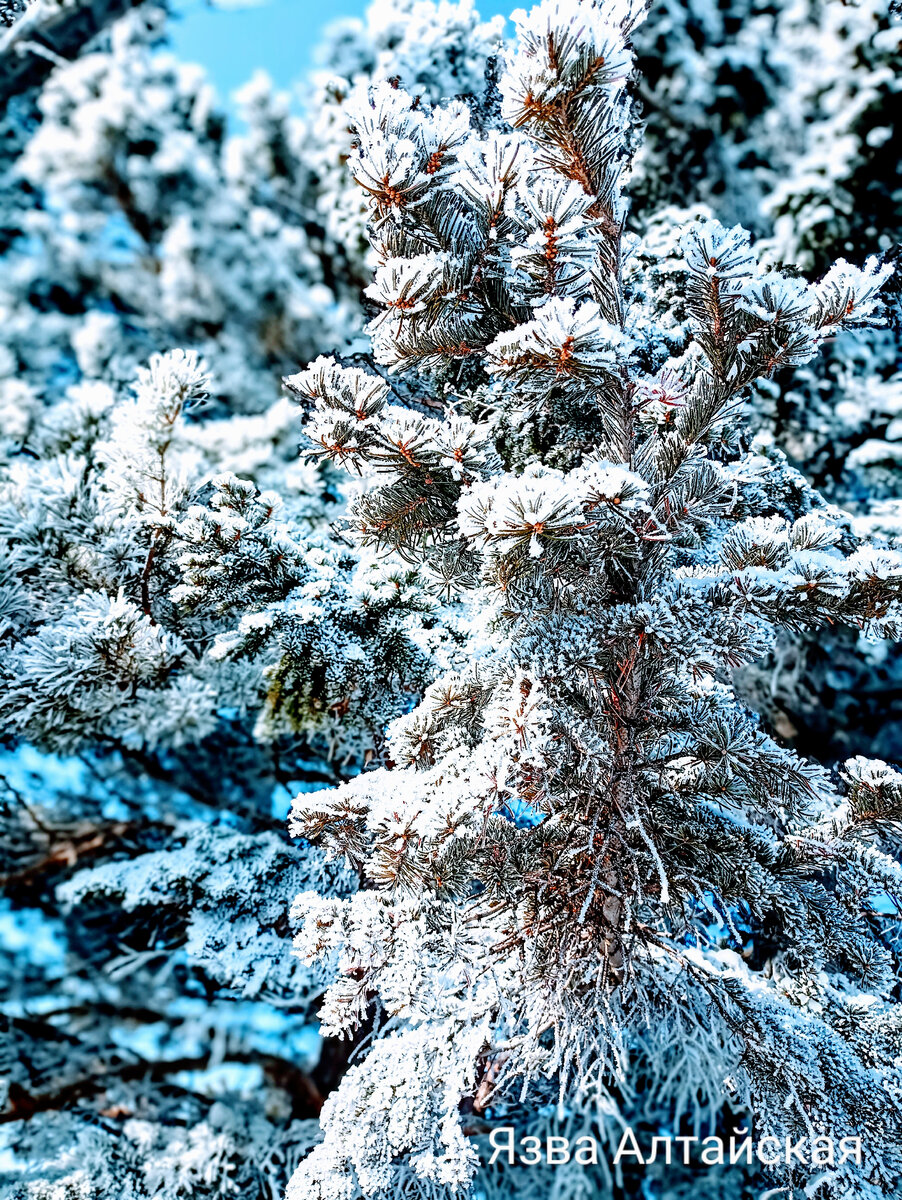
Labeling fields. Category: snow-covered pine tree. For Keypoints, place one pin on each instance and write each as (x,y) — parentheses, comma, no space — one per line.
(251,248)
(134,221)
(779,115)
(589,874)
(181,648)
(141,960)
(183,640)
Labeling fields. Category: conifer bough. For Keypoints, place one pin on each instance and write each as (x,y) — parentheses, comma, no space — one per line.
(587,869)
